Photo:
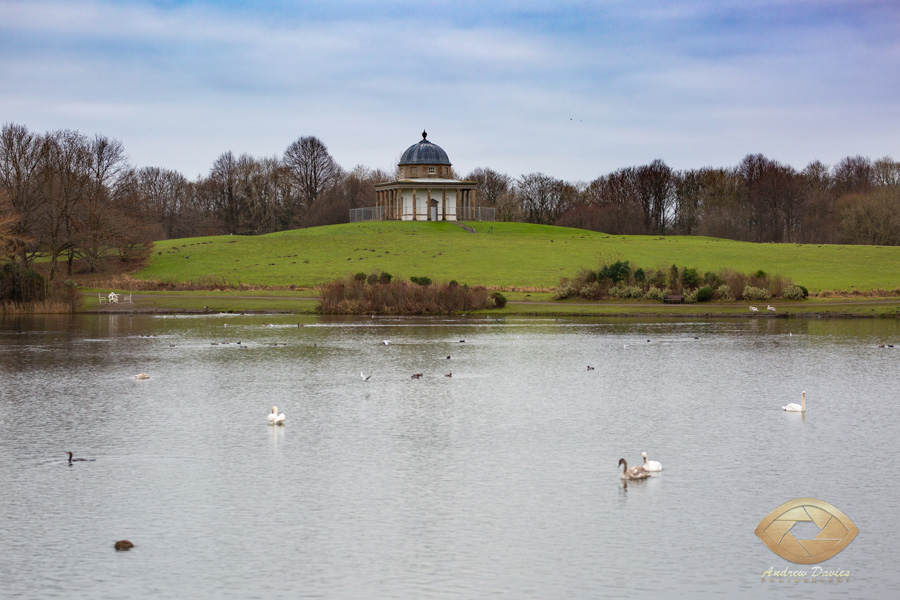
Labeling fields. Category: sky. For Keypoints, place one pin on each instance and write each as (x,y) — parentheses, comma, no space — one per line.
(572,89)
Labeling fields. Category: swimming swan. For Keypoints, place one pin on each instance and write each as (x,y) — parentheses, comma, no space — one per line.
(633,472)
(794,407)
(651,465)
(275,418)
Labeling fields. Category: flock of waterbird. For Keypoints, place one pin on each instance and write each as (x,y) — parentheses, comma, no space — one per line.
(769,308)
(634,473)
(652,466)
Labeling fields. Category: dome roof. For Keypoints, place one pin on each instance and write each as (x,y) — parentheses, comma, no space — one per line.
(424,153)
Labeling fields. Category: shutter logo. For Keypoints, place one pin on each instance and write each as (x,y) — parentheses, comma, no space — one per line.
(836,531)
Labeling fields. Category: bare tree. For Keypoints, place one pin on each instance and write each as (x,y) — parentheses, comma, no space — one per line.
(313,169)
(853,174)
(656,194)
(222,183)
(65,183)
(543,198)
(871,218)
(107,162)
(491,185)
(20,161)
(886,172)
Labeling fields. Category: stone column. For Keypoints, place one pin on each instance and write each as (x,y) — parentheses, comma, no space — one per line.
(428,203)
(415,217)
(444,204)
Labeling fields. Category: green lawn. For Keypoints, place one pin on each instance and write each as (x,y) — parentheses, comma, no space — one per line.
(508,255)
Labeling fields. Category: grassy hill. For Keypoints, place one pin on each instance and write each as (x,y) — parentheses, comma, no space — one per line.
(509,255)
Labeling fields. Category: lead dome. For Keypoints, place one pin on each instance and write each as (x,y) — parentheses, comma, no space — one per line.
(424,153)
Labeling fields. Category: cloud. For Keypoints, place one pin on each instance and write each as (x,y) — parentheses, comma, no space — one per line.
(573,89)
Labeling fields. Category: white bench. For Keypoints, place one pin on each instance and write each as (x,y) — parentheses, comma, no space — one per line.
(114,298)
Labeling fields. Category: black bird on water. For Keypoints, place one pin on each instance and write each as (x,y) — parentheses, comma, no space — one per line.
(71,460)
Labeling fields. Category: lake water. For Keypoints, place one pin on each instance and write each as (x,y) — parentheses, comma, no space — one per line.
(500,481)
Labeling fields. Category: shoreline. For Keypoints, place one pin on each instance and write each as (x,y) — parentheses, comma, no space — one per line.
(842,308)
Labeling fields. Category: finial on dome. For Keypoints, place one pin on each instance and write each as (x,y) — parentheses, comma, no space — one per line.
(424,134)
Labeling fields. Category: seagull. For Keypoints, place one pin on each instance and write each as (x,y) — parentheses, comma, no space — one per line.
(590,368)
(754,309)
(385,342)
(363,376)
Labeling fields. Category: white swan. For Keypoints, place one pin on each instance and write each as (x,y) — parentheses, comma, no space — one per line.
(770,308)
(633,472)
(754,309)
(651,465)
(794,407)
(275,418)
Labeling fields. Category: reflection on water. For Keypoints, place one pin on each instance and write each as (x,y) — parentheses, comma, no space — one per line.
(499,480)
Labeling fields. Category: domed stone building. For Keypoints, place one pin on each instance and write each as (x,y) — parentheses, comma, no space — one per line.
(425,189)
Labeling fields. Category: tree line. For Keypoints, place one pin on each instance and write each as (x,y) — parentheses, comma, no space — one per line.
(857,201)
(77,199)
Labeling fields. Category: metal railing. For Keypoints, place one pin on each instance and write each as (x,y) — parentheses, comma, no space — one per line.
(467,213)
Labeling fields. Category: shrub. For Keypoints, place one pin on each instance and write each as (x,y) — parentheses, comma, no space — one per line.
(760,274)
(704,294)
(350,296)
(690,278)
(712,279)
(360,277)
(565,290)
(385,277)
(734,280)
(690,297)
(424,281)
(724,292)
(755,293)
(628,291)
(655,293)
(499,299)
(617,272)
(18,284)
(794,292)
(640,276)
(590,291)
(674,279)
(372,279)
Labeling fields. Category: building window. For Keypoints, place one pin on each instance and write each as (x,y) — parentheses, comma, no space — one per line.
(431,170)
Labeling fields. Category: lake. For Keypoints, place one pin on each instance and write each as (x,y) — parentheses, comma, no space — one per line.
(500,480)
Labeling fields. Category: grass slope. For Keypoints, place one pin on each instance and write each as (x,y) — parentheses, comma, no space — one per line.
(506,255)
